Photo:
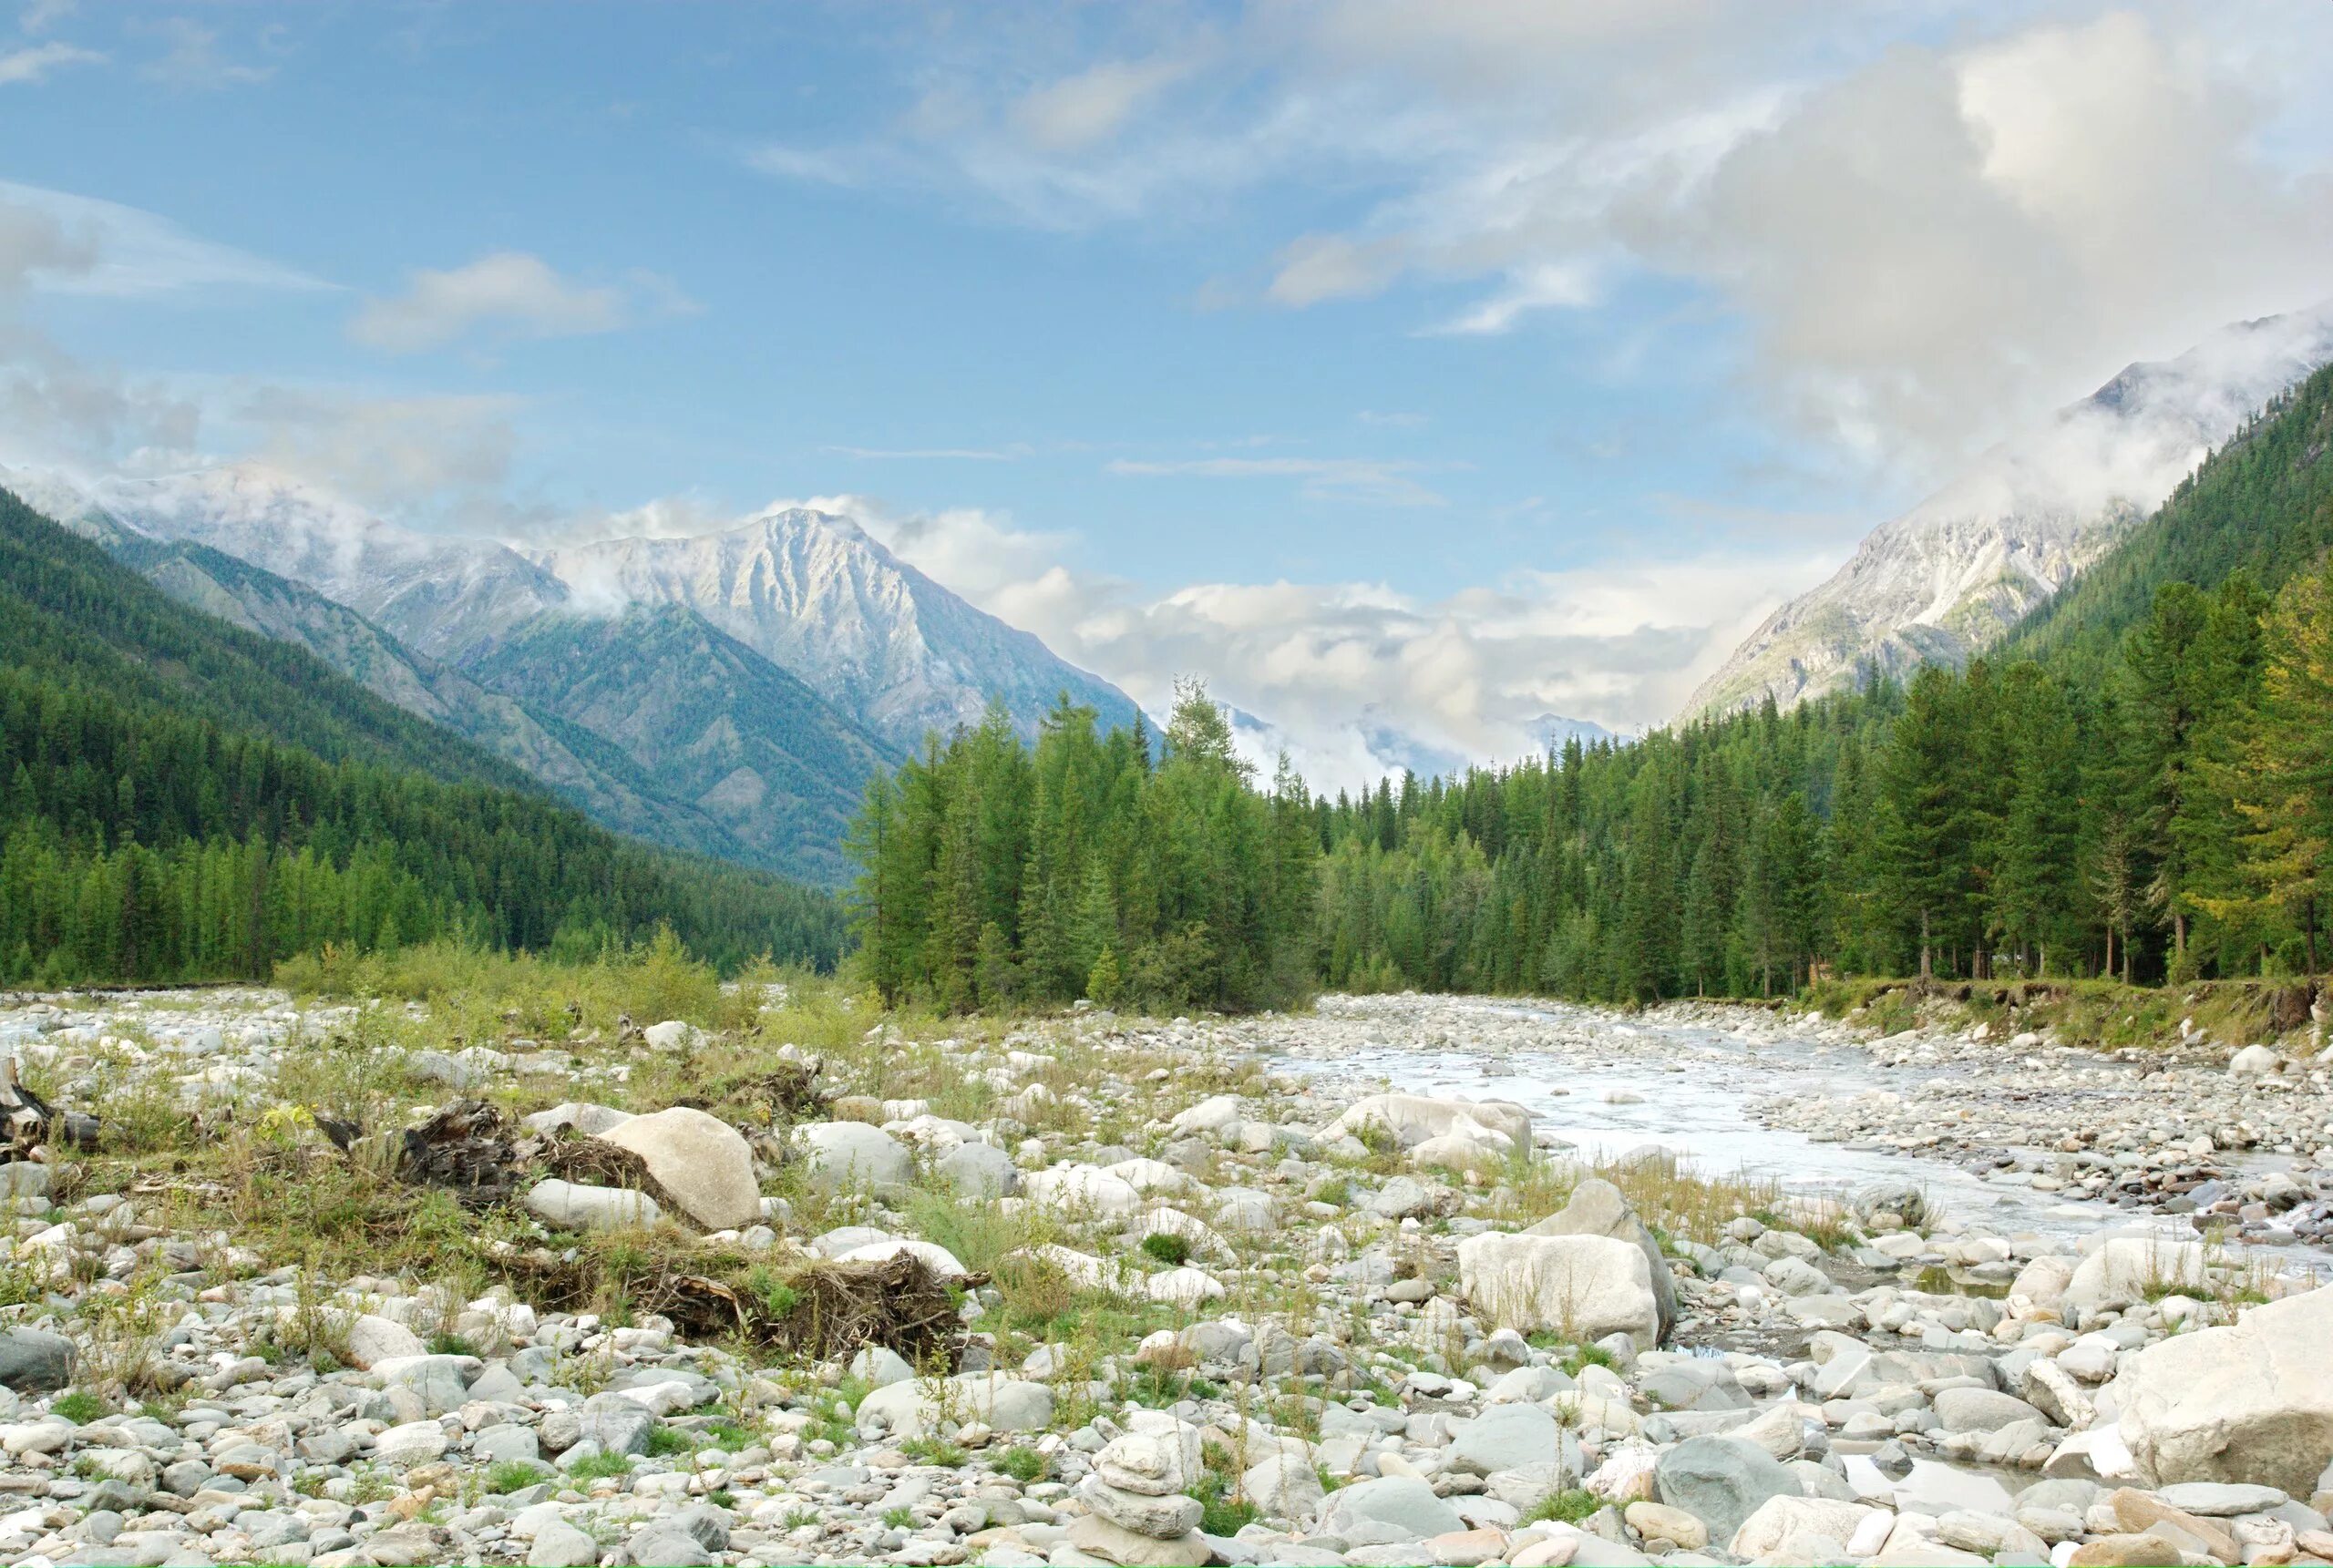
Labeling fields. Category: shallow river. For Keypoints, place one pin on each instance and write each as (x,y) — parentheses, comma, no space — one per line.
(1692,1095)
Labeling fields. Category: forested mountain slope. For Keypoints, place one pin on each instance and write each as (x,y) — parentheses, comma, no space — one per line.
(575,764)
(71,613)
(2261,507)
(1948,579)
(748,746)
(180,799)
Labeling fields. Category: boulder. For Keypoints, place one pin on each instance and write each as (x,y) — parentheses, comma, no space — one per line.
(571,1205)
(1779,1519)
(2252,1062)
(442,1381)
(1001,1403)
(2250,1403)
(1982,1411)
(979,1171)
(372,1340)
(585,1117)
(32,1362)
(1721,1481)
(1658,1522)
(1284,1486)
(705,1163)
(620,1426)
(1504,1437)
(2126,1269)
(931,1254)
(853,1154)
(1403,1502)
(1597,1207)
(1210,1116)
(1107,1541)
(1583,1286)
(1083,1189)
(672,1034)
(1412,1118)
(414,1444)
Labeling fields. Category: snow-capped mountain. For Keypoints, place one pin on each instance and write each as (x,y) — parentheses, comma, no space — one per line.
(895,652)
(818,595)
(1946,578)
(440,595)
(728,693)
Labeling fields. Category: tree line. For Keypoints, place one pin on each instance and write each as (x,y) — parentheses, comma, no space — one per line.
(138,844)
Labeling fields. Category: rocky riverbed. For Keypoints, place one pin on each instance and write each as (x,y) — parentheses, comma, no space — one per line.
(1403,1280)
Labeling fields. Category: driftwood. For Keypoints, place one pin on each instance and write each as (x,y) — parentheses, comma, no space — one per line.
(473,1151)
(29,1121)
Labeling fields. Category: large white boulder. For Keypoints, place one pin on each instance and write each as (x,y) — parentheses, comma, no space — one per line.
(1412,1118)
(1005,1404)
(2251,1402)
(1582,1287)
(1081,1189)
(705,1163)
(1597,1207)
(571,1205)
(853,1154)
(2126,1269)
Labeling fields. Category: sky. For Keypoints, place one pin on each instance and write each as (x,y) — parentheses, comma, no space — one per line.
(1392,366)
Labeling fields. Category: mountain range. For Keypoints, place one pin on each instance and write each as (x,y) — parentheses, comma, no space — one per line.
(1950,577)
(728,693)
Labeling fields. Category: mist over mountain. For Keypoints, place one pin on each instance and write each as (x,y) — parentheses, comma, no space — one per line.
(1948,577)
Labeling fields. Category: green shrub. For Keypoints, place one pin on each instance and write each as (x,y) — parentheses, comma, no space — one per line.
(1168,1248)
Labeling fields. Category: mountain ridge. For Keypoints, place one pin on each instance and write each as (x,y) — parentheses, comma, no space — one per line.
(1950,577)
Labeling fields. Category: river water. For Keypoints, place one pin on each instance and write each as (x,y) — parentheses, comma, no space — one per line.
(1616,1083)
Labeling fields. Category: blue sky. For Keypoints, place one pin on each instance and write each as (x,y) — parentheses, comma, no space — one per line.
(1463,361)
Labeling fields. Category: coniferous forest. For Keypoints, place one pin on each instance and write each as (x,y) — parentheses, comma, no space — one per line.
(181,799)
(2138,785)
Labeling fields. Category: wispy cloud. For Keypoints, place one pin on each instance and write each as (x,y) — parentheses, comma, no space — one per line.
(193,59)
(34,63)
(134,253)
(502,295)
(1009,454)
(1380,481)
(1570,285)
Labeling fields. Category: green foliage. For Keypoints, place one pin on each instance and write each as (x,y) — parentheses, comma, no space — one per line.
(997,873)
(934,1450)
(78,1406)
(181,801)
(510,1475)
(1565,1507)
(1168,1248)
(2137,784)
(668,1442)
(1222,1512)
(600,1467)
(1022,1463)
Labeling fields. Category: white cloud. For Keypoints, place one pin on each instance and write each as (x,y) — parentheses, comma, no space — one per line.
(192,58)
(132,253)
(1927,224)
(1008,454)
(42,14)
(506,293)
(1378,481)
(1094,104)
(1354,678)
(1567,285)
(34,63)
